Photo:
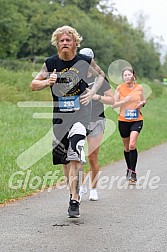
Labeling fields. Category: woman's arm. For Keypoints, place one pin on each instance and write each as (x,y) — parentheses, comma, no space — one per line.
(119,103)
(142,102)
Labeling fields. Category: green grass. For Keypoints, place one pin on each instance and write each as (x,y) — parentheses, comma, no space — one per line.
(19,131)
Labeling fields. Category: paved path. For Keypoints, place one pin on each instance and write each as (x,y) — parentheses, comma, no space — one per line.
(124,218)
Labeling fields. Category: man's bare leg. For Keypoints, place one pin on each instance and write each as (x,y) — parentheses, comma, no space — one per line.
(66,170)
(75,167)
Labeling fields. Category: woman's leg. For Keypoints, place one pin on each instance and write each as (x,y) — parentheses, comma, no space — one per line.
(133,149)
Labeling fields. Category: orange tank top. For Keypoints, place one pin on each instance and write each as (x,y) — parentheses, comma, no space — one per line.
(128,113)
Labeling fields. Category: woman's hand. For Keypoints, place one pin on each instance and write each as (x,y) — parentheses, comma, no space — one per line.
(127,98)
(140,104)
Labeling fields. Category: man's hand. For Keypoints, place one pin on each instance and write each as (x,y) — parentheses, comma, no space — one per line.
(95,97)
(86,98)
(52,79)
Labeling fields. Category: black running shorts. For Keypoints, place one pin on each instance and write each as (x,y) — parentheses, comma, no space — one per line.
(125,128)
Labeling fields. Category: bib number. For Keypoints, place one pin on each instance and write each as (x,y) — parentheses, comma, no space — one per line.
(69,103)
(131,114)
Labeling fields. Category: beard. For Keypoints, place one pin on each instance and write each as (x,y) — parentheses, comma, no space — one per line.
(67,54)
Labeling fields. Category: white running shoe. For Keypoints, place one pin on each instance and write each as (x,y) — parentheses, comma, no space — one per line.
(83,190)
(93,194)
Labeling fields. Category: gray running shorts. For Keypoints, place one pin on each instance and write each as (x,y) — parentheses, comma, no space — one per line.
(96,128)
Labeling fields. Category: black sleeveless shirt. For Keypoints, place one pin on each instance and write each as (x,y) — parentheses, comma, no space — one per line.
(71,83)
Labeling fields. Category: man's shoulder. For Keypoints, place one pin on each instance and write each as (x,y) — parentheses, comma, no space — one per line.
(52,58)
(84,57)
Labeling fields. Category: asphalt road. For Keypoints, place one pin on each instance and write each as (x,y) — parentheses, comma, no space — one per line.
(126,218)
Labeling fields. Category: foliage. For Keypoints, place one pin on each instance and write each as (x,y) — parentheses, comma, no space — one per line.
(85,5)
(13,29)
(26,29)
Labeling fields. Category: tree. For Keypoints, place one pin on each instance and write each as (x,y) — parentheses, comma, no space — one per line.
(13,29)
(84,5)
(106,6)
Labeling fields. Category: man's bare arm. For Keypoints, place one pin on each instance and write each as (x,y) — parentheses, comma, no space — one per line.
(99,76)
(40,81)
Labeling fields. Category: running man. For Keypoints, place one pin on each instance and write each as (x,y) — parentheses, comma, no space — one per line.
(65,74)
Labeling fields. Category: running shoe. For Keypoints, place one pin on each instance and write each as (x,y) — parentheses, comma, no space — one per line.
(73,209)
(133,178)
(83,190)
(128,174)
(93,194)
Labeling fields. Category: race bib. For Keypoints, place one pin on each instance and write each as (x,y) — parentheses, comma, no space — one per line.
(69,103)
(131,114)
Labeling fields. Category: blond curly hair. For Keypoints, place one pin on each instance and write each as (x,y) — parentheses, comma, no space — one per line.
(66,29)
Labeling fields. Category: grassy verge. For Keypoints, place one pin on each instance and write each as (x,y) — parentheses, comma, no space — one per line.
(19,131)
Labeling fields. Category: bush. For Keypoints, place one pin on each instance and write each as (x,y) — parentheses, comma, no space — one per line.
(17,65)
